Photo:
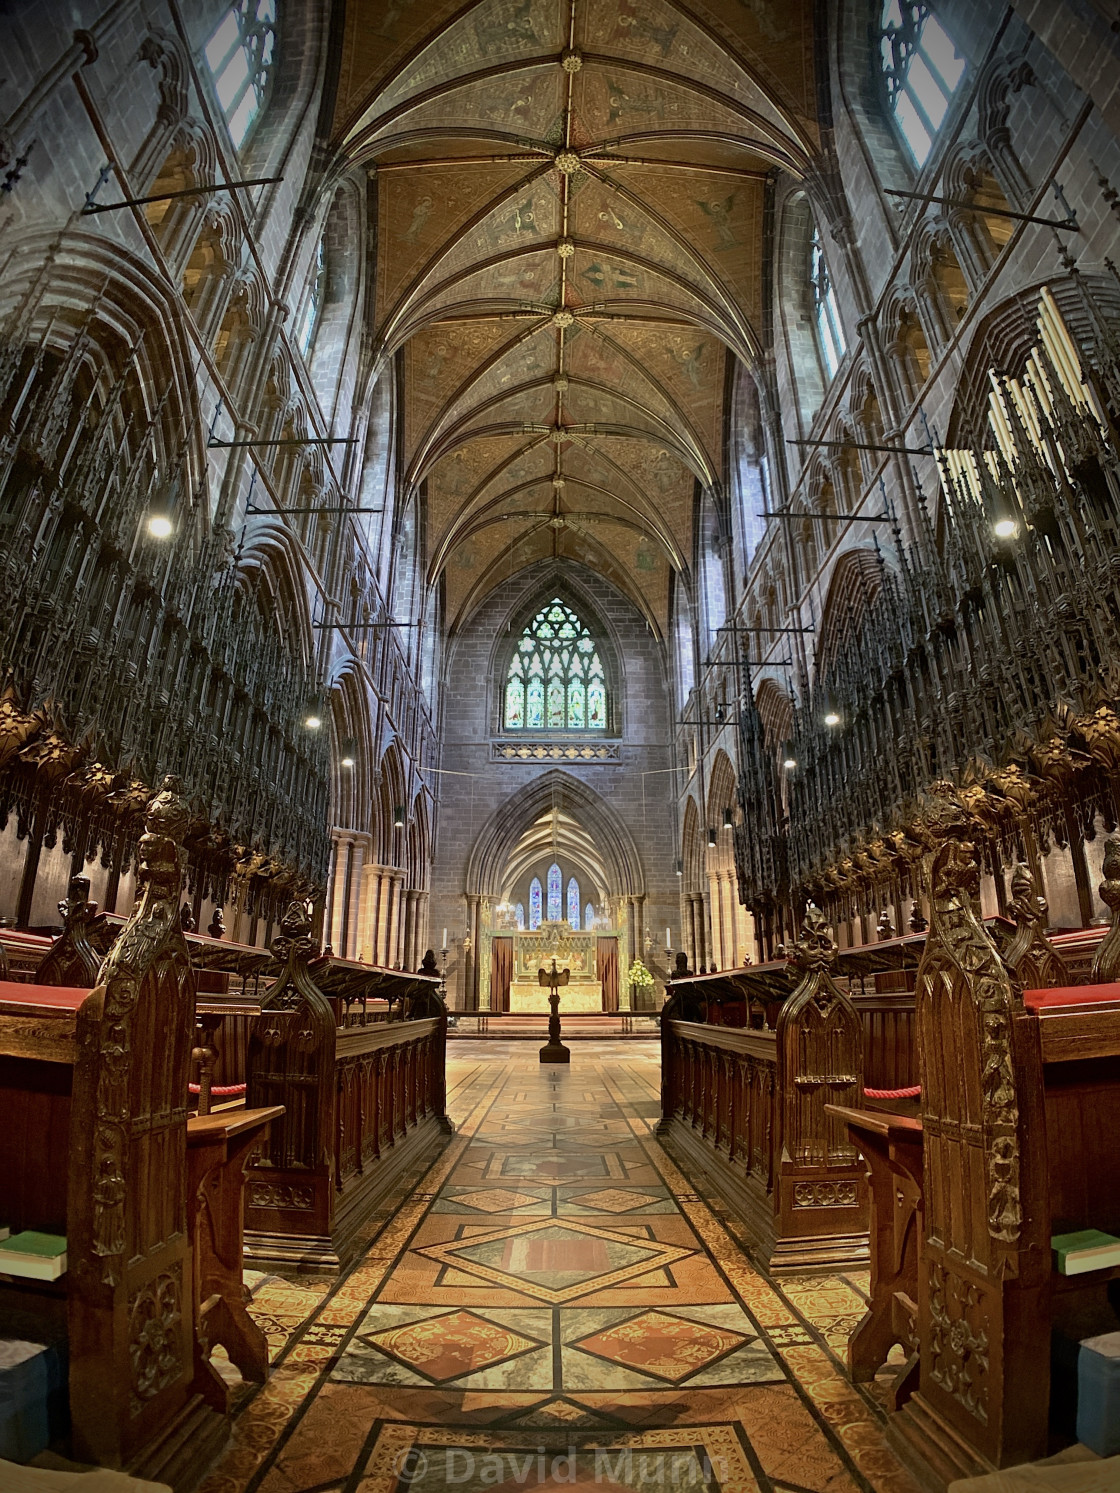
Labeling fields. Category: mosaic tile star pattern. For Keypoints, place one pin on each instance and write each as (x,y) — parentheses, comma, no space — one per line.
(553,1304)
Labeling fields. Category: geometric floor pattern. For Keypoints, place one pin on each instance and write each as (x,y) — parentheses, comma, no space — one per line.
(554,1304)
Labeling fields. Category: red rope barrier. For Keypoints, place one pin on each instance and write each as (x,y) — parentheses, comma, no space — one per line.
(879,1093)
(218,1091)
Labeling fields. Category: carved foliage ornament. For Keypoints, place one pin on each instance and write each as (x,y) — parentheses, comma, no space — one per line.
(155,1336)
(958,1347)
(957,933)
(153,925)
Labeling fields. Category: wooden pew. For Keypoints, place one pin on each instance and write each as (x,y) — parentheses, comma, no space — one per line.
(1018,1104)
(747,1106)
(93,1128)
(362,1103)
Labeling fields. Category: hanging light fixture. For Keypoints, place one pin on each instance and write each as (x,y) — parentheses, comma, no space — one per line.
(713,838)
(728,821)
(160,526)
(398,817)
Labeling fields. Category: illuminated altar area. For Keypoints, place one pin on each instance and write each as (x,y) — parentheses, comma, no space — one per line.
(533,951)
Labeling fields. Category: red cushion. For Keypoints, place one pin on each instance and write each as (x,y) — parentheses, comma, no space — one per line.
(67,997)
(1070,995)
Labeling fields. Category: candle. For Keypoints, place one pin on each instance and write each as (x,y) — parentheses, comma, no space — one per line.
(668,939)
(444,944)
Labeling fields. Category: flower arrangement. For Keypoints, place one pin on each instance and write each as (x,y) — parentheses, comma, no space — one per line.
(638,976)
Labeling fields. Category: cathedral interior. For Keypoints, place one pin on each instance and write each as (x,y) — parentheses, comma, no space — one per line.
(586,520)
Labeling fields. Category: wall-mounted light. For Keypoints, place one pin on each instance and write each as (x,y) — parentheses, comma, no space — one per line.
(348,753)
(398,817)
(1006,528)
(832,719)
(313,723)
(789,764)
(160,526)
(728,821)
(680,868)
(347,762)
(713,838)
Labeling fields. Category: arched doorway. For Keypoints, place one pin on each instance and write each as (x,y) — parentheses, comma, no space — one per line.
(554,872)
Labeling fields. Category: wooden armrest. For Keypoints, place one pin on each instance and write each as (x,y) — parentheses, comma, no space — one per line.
(877,1122)
(202,1129)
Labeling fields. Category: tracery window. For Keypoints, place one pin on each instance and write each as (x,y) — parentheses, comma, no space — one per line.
(830,333)
(534,904)
(554,884)
(589,917)
(555,680)
(573,903)
(519,914)
(921,70)
(314,300)
(240,55)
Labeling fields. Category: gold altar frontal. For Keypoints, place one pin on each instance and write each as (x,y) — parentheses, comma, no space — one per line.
(571,950)
(532,1000)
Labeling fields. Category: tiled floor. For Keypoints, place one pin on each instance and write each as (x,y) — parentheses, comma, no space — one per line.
(553,1303)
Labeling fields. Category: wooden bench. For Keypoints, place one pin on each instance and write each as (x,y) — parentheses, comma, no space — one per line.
(93,1145)
(362,1103)
(747,1106)
(1018,1104)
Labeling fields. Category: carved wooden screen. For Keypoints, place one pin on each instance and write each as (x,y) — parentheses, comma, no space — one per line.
(131,1300)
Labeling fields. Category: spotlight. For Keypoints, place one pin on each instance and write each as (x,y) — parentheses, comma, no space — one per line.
(832,719)
(313,723)
(160,526)
(347,762)
(1007,528)
(789,764)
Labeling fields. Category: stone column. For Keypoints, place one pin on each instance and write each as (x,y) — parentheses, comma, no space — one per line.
(343,841)
(470,963)
(359,849)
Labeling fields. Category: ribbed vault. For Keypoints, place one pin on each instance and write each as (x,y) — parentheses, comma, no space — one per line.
(570,202)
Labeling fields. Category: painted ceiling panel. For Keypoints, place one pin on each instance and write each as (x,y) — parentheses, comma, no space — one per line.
(421,212)
(570,211)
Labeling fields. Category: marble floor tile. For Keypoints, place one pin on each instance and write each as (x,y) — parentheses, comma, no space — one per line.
(553,1304)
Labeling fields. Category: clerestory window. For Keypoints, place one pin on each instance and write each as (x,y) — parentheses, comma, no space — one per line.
(240,55)
(921,70)
(555,680)
(830,332)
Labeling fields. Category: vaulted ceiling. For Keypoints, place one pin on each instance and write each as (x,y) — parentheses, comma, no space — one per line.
(570,205)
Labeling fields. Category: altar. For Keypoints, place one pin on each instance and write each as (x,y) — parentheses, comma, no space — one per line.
(580,953)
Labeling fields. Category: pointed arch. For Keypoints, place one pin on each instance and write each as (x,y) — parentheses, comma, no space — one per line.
(499,837)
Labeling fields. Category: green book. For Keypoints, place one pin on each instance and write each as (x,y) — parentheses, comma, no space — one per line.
(33,1255)
(1088,1249)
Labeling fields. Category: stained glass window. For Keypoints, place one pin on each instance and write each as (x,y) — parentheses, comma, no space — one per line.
(588,917)
(534,904)
(240,55)
(573,902)
(555,679)
(921,70)
(554,883)
(519,914)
